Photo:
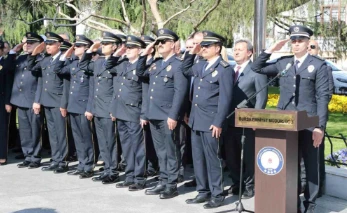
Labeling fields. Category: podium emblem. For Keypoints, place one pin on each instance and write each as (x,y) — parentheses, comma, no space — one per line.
(270,160)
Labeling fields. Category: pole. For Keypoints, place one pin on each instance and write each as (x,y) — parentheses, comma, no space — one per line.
(259,26)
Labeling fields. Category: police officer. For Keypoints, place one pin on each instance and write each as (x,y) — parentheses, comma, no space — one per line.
(26,94)
(5,106)
(246,84)
(211,103)
(80,98)
(303,86)
(167,91)
(103,92)
(51,99)
(126,108)
(151,155)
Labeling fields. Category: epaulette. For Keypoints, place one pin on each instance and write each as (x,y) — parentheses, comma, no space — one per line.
(286,56)
(224,63)
(318,57)
(179,58)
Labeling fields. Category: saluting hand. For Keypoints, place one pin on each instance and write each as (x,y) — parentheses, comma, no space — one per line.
(120,51)
(36,108)
(277,46)
(317,137)
(18,47)
(88,115)
(148,49)
(171,123)
(95,46)
(39,49)
(216,131)
(196,49)
(69,52)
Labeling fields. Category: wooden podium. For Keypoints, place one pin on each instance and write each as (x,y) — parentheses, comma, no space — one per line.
(276,155)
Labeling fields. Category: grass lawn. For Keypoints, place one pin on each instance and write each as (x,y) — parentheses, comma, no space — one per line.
(336,124)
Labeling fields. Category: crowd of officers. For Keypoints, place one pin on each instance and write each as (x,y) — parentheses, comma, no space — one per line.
(142,96)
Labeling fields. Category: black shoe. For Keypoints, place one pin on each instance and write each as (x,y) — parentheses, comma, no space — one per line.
(248,193)
(51,167)
(34,165)
(61,169)
(191,183)
(180,178)
(198,199)
(136,187)
(71,158)
(74,172)
(3,163)
(19,157)
(234,189)
(156,190)
(214,203)
(24,164)
(84,175)
(16,150)
(101,169)
(168,193)
(110,179)
(124,184)
(100,177)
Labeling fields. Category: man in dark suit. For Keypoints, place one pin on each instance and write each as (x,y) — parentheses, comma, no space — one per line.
(51,99)
(246,83)
(26,94)
(103,92)
(79,105)
(211,103)
(6,78)
(167,91)
(304,85)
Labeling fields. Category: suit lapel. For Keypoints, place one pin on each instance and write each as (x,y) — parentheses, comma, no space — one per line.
(211,68)
(244,72)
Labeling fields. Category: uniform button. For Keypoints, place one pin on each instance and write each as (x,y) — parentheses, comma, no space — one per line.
(99,77)
(70,92)
(47,73)
(196,96)
(74,82)
(196,104)
(198,87)
(120,90)
(294,85)
(121,83)
(293,94)
(49,67)
(97,89)
(152,90)
(20,90)
(45,89)
(23,75)
(131,104)
(123,77)
(153,82)
(293,103)
(201,79)
(25,68)
(156,76)
(294,77)
(118,96)
(98,83)
(21,82)
(73,87)
(151,97)
(96,96)
(46,82)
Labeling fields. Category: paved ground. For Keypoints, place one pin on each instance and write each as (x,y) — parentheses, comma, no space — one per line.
(34,191)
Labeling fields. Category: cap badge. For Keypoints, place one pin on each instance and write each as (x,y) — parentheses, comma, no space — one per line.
(296,29)
(161,31)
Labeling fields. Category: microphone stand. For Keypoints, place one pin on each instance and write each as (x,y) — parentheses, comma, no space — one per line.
(239,206)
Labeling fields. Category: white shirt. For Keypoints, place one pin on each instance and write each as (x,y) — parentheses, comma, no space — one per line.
(56,56)
(302,59)
(210,63)
(243,66)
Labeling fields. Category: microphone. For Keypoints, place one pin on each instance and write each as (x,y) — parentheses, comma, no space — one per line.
(244,103)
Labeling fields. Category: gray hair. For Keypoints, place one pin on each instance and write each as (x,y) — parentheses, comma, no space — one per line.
(248,42)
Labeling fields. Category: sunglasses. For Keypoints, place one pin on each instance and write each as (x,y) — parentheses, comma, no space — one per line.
(30,42)
(163,41)
(313,46)
(206,45)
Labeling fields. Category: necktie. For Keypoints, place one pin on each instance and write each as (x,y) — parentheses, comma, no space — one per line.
(51,60)
(237,73)
(297,62)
